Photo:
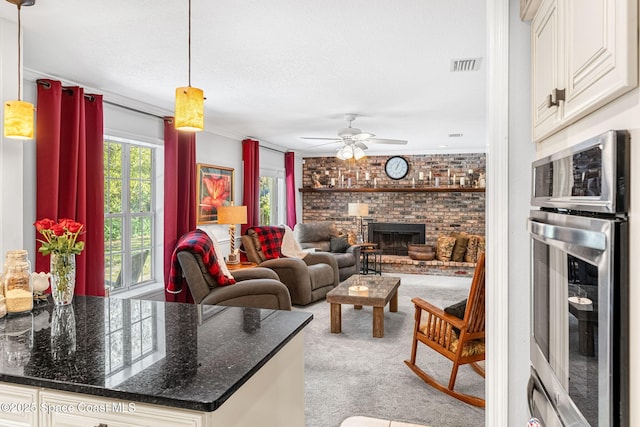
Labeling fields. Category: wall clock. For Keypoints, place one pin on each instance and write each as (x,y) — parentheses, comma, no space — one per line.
(397,167)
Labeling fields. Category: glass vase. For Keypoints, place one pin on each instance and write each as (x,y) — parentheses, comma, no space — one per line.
(63,333)
(63,277)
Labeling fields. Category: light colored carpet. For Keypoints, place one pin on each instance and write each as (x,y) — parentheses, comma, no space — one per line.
(354,374)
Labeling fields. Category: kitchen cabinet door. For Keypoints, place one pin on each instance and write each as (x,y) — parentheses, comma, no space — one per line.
(583,56)
(601,53)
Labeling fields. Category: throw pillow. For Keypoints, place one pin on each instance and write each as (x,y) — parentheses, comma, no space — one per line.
(475,245)
(270,239)
(457,310)
(460,247)
(444,247)
(338,244)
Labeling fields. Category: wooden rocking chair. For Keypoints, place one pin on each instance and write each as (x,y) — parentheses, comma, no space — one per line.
(435,328)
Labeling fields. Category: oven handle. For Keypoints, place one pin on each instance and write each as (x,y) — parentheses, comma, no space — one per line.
(585,238)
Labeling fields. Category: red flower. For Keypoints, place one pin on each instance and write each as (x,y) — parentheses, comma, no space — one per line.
(58,229)
(74,227)
(60,237)
(44,224)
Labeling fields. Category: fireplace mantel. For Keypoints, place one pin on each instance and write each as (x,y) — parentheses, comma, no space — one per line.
(393,190)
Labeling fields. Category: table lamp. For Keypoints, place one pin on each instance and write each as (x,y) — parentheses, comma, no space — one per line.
(359,210)
(232,215)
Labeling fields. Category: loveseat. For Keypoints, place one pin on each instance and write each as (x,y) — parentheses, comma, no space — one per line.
(324,236)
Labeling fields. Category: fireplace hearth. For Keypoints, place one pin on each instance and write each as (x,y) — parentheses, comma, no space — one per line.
(394,238)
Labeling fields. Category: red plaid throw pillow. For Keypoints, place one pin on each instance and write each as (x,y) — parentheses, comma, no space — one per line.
(270,240)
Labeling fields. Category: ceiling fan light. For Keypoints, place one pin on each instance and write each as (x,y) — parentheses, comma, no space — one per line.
(189,113)
(18,120)
(347,152)
(358,153)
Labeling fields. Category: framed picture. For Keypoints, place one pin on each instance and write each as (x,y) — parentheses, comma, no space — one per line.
(214,188)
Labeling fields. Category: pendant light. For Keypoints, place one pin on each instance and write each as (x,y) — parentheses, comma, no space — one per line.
(18,115)
(189,114)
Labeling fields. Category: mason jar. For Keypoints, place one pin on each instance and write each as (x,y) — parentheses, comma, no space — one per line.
(18,290)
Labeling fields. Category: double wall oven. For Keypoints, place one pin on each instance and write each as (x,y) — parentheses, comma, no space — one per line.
(579,285)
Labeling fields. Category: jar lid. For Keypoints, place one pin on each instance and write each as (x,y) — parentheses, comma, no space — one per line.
(17,253)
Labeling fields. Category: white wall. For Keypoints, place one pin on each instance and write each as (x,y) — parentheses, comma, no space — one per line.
(12,219)
(521,154)
(222,151)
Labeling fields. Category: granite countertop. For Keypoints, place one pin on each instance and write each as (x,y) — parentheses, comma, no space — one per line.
(172,354)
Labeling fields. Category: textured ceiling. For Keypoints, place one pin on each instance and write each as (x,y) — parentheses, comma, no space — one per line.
(278,70)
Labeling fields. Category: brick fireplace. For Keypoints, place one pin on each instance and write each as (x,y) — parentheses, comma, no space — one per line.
(407,201)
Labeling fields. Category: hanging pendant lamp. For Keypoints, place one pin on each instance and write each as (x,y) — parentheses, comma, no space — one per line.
(189,113)
(18,115)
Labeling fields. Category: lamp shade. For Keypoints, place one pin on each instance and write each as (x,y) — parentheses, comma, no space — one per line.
(232,215)
(18,120)
(358,209)
(189,114)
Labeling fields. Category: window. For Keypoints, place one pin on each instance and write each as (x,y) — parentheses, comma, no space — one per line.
(129,213)
(272,200)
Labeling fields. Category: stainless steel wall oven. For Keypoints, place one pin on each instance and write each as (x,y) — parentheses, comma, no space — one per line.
(579,285)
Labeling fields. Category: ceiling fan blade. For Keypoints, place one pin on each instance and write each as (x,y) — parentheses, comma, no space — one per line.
(326,143)
(388,141)
(360,144)
(326,139)
(362,136)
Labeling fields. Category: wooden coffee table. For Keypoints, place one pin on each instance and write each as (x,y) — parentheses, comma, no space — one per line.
(379,291)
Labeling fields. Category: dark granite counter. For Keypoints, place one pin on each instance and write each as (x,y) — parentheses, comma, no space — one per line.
(171,354)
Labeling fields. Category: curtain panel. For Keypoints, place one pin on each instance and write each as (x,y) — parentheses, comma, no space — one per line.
(179,196)
(251,180)
(70,173)
(290,184)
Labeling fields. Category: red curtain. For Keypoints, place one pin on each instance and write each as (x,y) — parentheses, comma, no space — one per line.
(179,195)
(251,175)
(70,173)
(290,182)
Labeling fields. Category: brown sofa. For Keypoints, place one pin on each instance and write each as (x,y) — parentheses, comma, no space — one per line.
(308,279)
(324,236)
(254,287)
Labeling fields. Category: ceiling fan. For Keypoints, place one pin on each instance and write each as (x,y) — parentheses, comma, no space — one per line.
(354,140)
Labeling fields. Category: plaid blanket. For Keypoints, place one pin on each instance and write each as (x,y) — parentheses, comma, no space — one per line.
(198,242)
(270,240)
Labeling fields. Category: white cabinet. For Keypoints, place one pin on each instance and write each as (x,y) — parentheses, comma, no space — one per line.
(18,406)
(61,409)
(584,55)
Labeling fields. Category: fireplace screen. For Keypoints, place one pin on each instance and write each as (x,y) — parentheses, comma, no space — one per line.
(394,239)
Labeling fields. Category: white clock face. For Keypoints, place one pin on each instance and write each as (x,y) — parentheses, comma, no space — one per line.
(396,167)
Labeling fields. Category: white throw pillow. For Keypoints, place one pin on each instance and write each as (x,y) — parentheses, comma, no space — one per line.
(219,256)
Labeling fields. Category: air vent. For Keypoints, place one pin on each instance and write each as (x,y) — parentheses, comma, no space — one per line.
(469,64)
(455,135)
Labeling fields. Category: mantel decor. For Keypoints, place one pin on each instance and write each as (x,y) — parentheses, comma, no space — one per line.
(214,188)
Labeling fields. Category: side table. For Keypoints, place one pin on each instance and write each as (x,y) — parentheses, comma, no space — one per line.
(241,265)
(371,261)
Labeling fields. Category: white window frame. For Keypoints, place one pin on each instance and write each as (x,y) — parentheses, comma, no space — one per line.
(280,194)
(157,238)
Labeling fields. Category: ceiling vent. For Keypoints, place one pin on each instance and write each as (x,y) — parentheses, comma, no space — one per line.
(469,64)
(455,135)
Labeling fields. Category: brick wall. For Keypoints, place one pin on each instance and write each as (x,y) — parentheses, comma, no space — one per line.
(441,212)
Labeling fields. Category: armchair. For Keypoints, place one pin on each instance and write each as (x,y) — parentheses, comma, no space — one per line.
(308,279)
(253,287)
(324,236)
